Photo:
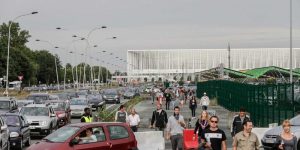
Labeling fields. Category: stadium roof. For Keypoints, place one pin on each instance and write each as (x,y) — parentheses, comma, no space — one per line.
(271,71)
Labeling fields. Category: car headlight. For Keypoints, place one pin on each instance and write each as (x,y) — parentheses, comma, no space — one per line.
(104,96)
(43,123)
(61,115)
(14,134)
(101,103)
(116,96)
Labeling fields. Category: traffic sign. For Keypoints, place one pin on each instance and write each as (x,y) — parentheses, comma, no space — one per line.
(20,78)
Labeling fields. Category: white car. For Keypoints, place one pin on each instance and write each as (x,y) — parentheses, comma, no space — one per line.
(4,135)
(77,106)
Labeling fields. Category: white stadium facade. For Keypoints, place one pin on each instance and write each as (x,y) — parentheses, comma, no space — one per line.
(167,63)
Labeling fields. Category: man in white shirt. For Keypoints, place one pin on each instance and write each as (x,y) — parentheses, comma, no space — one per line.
(204,101)
(134,120)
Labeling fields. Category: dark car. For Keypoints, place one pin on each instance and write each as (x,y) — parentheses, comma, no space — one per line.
(19,132)
(111,96)
(62,110)
(7,104)
(96,101)
(105,135)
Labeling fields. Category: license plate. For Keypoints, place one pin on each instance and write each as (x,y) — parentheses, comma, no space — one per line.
(270,140)
(31,127)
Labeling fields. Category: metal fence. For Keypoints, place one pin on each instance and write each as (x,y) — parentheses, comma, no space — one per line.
(270,103)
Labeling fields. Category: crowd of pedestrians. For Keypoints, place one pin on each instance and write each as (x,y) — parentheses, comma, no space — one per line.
(210,136)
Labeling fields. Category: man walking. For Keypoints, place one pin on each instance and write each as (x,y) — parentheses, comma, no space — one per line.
(237,123)
(213,137)
(159,118)
(121,115)
(87,116)
(246,140)
(168,98)
(204,101)
(175,129)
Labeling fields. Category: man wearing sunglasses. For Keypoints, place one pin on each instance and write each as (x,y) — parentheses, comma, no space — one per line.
(213,138)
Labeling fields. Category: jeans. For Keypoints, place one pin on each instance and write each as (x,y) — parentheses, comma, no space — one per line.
(134,128)
(204,107)
(168,105)
(176,141)
(193,109)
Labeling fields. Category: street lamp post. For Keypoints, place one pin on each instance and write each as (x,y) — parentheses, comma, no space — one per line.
(291,43)
(8,47)
(55,63)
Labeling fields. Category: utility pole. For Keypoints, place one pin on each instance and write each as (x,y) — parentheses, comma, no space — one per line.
(229,65)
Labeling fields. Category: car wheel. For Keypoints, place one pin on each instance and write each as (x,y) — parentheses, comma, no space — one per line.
(28,142)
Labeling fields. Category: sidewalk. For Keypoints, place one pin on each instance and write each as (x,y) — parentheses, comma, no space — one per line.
(145,109)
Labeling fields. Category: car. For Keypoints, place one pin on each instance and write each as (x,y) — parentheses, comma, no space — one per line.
(41,118)
(39,98)
(131,93)
(96,101)
(4,135)
(8,104)
(111,96)
(109,135)
(62,110)
(19,132)
(269,138)
(82,93)
(77,106)
(25,102)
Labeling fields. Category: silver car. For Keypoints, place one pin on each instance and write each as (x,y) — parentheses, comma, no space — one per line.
(4,135)
(41,118)
(77,106)
(269,139)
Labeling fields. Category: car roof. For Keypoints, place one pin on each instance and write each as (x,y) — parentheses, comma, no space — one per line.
(95,123)
(6,98)
(36,105)
(11,114)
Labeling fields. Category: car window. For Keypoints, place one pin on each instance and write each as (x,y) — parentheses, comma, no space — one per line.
(62,134)
(12,120)
(117,132)
(58,106)
(91,135)
(4,104)
(35,111)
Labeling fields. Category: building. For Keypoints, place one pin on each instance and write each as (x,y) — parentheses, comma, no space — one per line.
(170,63)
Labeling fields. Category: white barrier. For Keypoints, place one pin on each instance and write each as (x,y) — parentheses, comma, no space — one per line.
(260,132)
(150,140)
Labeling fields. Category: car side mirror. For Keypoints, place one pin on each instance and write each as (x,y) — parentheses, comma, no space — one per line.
(73,142)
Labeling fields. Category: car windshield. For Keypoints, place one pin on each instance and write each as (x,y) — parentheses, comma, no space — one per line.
(78,102)
(111,92)
(58,106)
(82,93)
(62,134)
(4,104)
(11,120)
(63,96)
(38,99)
(295,121)
(35,111)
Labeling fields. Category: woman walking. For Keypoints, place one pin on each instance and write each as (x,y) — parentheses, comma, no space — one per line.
(286,140)
(193,106)
(201,124)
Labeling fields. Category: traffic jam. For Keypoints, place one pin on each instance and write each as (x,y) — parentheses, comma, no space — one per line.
(52,121)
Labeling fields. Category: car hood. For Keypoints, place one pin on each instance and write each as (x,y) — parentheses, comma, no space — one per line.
(78,107)
(47,146)
(128,94)
(14,129)
(277,130)
(3,111)
(37,118)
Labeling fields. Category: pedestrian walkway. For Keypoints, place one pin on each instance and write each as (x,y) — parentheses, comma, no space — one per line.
(145,109)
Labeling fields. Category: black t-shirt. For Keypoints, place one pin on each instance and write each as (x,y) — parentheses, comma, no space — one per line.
(168,96)
(215,137)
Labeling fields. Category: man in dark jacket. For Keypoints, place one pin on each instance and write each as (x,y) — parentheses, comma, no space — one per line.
(159,118)
(237,124)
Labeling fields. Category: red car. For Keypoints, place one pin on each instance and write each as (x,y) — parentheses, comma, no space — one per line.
(62,110)
(89,136)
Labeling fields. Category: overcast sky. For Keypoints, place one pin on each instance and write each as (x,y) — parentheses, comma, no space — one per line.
(155,24)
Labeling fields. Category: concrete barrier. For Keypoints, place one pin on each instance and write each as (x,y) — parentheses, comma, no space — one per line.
(150,140)
(260,132)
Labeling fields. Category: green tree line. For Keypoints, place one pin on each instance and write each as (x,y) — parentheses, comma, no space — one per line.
(36,66)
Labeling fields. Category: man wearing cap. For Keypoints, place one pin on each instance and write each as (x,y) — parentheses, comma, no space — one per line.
(204,101)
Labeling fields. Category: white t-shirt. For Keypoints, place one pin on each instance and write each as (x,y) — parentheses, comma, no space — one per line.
(134,120)
(90,139)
